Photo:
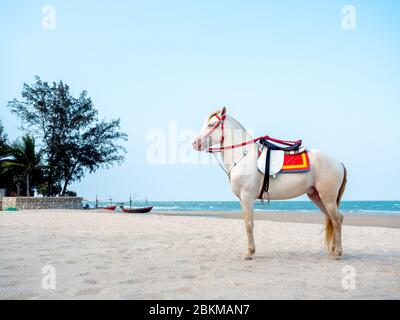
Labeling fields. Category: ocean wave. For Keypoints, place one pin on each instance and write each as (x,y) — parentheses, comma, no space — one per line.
(286,210)
(172,208)
(389,212)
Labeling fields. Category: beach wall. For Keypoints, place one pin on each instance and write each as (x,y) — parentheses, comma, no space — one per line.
(41,203)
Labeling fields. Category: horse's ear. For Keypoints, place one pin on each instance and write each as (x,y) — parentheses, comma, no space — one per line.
(223,111)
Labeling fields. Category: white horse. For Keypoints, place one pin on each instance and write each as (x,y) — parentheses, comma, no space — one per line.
(324,183)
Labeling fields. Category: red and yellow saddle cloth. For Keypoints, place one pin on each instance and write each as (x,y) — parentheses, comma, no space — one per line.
(296,163)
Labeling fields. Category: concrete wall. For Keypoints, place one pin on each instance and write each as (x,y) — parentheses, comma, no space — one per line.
(42,203)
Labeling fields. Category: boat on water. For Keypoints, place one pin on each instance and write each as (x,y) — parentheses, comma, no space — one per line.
(137,210)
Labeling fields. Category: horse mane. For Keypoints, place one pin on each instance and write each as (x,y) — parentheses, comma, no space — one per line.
(237,123)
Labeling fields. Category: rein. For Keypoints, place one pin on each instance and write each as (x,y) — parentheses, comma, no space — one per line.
(245,143)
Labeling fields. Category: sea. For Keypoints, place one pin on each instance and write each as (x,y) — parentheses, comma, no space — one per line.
(363,207)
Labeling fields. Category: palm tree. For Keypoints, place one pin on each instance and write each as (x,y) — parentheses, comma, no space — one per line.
(3,142)
(25,161)
(4,149)
(4,153)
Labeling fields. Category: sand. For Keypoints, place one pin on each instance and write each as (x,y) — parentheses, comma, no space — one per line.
(101,255)
(351,219)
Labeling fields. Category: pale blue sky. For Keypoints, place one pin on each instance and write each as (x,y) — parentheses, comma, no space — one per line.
(285,68)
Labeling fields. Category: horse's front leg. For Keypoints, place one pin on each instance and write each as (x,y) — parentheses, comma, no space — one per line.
(248,217)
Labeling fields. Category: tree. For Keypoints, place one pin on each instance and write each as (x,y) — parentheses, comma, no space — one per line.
(4,153)
(3,143)
(25,161)
(75,140)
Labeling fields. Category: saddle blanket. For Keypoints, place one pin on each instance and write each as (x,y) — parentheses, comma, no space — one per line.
(284,162)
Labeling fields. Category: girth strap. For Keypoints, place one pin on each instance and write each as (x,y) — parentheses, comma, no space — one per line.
(270,146)
(265,185)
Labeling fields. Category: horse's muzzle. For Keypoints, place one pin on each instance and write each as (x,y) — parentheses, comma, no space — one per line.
(197,144)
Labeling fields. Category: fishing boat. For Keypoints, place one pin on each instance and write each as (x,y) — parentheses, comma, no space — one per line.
(137,210)
(110,207)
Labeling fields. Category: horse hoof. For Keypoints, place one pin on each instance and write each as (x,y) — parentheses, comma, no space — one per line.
(336,254)
(250,254)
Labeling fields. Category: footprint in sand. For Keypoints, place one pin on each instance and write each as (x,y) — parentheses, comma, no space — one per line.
(8,267)
(85,292)
(128,282)
(203,268)
(127,258)
(90,281)
(11,284)
(101,267)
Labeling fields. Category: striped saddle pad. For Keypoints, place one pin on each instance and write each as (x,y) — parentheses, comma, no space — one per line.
(284,161)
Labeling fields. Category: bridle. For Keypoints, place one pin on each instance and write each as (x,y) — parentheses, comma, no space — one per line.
(221,122)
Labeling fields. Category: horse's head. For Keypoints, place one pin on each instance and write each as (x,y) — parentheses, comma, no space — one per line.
(212,131)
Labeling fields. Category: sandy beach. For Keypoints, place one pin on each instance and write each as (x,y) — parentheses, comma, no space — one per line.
(102,255)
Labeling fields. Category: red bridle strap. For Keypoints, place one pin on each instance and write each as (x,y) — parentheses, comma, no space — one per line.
(220,122)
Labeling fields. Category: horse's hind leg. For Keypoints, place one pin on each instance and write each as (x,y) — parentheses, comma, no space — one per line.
(336,220)
(315,198)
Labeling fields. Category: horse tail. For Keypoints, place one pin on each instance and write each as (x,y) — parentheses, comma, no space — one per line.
(342,187)
(329,230)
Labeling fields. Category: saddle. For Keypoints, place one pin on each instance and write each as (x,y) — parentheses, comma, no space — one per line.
(277,160)
(272,158)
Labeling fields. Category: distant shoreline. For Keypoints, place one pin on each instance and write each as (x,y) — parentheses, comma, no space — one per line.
(313,217)
(350,207)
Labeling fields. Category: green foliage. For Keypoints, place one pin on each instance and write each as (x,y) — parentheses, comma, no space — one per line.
(44,187)
(3,140)
(4,153)
(70,193)
(25,164)
(74,139)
